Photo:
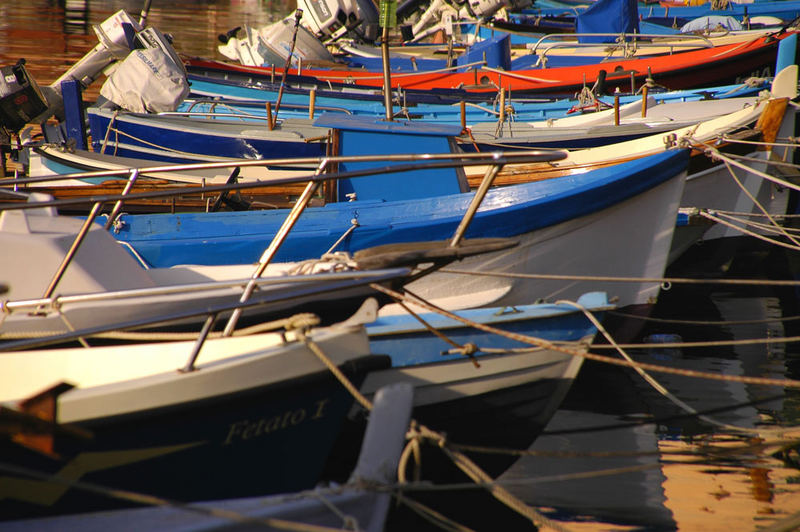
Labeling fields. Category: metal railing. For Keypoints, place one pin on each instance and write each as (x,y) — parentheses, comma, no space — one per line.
(402,163)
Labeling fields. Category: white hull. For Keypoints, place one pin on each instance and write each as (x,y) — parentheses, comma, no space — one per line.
(631,239)
(115,380)
(458,379)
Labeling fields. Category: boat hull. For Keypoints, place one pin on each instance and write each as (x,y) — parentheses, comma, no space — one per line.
(232,428)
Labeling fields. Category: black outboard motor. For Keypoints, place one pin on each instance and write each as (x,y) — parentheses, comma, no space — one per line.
(23,102)
(21,99)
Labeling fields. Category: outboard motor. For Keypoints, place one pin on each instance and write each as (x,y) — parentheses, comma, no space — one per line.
(150,79)
(332,19)
(271,45)
(22,101)
(439,14)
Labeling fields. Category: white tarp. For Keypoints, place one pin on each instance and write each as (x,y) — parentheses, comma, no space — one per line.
(147,81)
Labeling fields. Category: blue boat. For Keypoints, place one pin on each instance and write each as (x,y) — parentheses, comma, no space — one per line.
(589,211)
(787,10)
(248,95)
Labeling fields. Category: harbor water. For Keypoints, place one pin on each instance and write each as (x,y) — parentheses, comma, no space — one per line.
(620,453)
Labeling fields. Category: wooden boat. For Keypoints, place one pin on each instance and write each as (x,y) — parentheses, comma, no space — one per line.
(708,184)
(785,10)
(210,85)
(182,138)
(696,68)
(442,376)
(394,210)
(261,419)
(60,279)
(360,499)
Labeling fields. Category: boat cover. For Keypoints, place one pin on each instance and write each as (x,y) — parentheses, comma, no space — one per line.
(147,81)
(608,16)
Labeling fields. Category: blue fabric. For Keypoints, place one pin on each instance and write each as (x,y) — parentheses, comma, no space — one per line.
(608,16)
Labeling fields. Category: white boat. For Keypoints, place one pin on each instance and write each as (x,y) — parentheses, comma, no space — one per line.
(361,500)
(251,416)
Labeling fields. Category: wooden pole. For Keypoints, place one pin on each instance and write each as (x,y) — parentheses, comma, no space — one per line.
(312,99)
(644,101)
(387,76)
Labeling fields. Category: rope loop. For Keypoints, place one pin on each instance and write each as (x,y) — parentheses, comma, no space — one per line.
(302,322)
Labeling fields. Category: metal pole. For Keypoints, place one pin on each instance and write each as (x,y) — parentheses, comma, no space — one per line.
(118,205)
(269,253)
(488,179)
(87,224)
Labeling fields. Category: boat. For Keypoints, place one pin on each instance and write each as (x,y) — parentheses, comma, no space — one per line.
(65,273)
(445,371)
(726,64)
(397,209)
(235,132)
(708,184)
(360,499)
(219,129)
(261,417)
(209,87)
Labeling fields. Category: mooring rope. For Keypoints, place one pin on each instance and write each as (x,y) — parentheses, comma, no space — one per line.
(743,230)
(714,153)
(459,459)
(119,133)
(789,383)
(649,378)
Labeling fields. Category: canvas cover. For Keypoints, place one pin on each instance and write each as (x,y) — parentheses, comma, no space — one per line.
(608,16)
(147,81)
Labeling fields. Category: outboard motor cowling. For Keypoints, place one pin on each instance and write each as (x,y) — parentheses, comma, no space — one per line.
(151,79)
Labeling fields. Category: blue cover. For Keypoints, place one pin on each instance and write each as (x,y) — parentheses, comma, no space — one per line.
(608,16)
(496,51)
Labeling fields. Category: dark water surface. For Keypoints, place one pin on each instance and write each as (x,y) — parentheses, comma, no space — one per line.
(644,485)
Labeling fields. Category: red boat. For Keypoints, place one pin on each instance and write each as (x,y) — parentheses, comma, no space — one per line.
(703,67)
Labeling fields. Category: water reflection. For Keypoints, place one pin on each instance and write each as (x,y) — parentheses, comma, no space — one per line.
(737,492)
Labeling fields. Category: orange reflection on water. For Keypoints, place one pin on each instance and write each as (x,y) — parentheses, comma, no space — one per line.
(752,492)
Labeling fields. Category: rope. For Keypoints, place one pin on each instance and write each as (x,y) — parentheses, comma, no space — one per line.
(759,206)
(467,349)
(792,142)
(753,234)
(119,133)
(789,383)
(479,476)
(714,153)
(707,322)
(707,451)
(314,348)
(649,378)
(601,278)
(458,458)
(708,343)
